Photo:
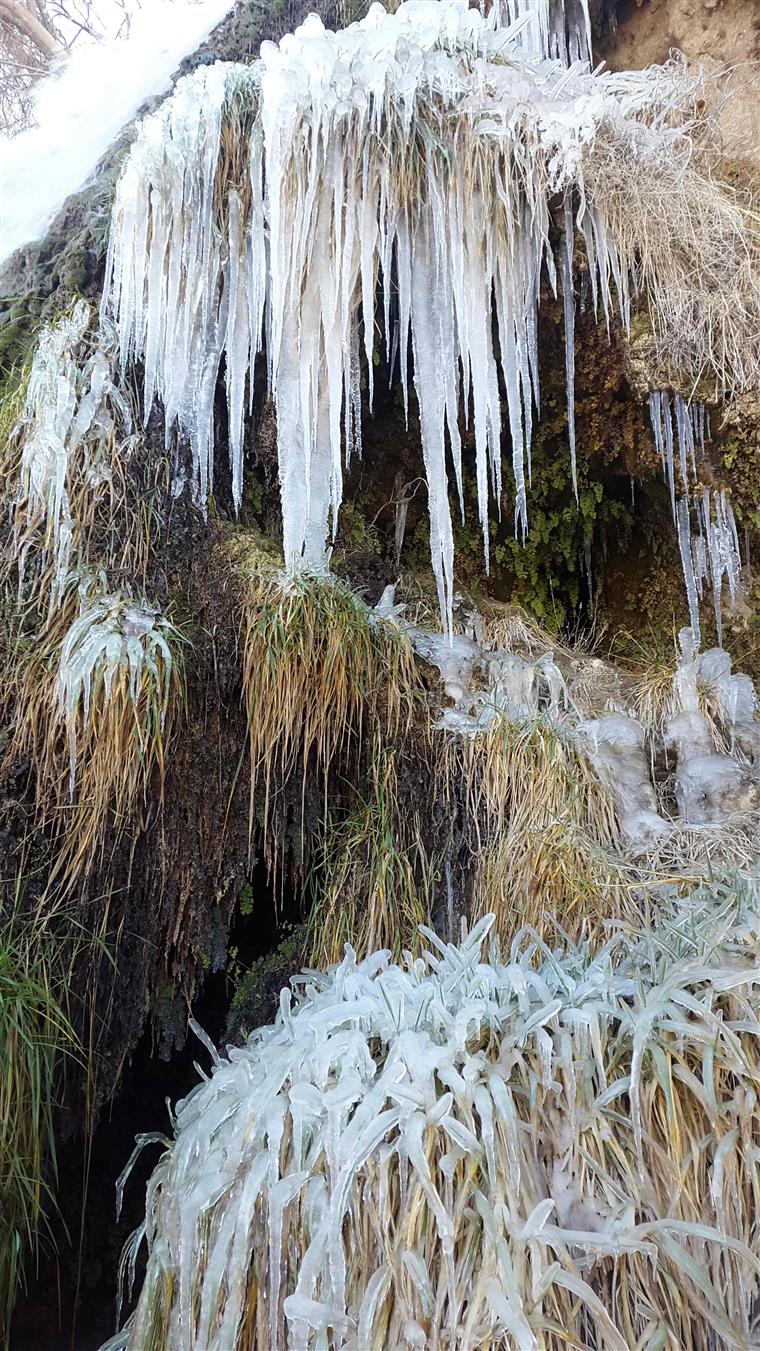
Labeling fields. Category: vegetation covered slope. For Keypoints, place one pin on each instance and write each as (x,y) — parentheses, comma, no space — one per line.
(172,711)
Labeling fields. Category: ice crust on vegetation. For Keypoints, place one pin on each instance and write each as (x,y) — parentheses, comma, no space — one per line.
(422,1155)
(409,159)
(72,410)
(710,737)
(114,641)
(711,784)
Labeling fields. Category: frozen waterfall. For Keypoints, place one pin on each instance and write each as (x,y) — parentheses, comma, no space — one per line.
(404,168)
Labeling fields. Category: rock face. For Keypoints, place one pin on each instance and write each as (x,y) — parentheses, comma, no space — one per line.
(716,34)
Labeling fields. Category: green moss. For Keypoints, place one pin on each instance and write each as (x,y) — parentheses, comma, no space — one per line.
(16,338)
(255,998)
(543,574)
(741,467)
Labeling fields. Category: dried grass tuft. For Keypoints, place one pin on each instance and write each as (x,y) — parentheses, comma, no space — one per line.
(320,677)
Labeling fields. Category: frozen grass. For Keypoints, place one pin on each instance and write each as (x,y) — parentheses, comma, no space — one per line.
(89,673)
(540,1149)
(92,701)
(336,702)
(65,464)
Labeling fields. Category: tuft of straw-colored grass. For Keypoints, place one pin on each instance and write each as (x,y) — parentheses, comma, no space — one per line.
(93,705)
(375,876)
(548,846)
(320,676)
(691,240)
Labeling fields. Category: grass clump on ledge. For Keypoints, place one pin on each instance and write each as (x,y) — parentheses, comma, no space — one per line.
(320,676)
(92,708)
(548,842)
(540,1148)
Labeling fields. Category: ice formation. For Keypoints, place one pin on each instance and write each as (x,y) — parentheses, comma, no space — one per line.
(482,682)
(367,159)
(712,786)
(71,411)
(81,107)
(554,28)
(709,726)
(418,1155)
(714,553)
(710,554)
(113,641)
(682,423)
(616,747)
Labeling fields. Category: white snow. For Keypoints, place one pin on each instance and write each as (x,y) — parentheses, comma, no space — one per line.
(81,108)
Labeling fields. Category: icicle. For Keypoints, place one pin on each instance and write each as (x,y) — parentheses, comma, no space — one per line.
(689,429)
(714,555)
(179,298)
(589,575)
(202,271)
(687,562)
(568,300)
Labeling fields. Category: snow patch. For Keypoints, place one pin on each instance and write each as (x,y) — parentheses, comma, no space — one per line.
(81,107)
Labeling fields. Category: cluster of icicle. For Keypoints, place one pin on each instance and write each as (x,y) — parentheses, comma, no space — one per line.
(112,641)
(556,28)
(712,553)
(372,162)
(71,412)
(423,1156)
